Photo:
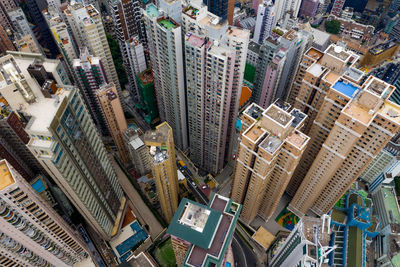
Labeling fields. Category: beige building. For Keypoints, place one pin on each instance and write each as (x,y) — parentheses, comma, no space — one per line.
(165,173)
(325,83)
(270,148)
(363,127)
(114,116)
(32,233)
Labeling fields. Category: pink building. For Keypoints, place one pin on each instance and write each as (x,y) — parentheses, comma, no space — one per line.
(337,7)
(308,8)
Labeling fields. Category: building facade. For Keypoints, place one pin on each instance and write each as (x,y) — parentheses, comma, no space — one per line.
(270,148)
(114,116)
(165,172)
(66,143)
(265,21)
(90,75)
(88,31)
(138,152)
(362,129)
(32,233)
(165,46)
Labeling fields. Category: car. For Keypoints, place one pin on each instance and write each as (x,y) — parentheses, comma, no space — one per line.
(193,184)
(204,186)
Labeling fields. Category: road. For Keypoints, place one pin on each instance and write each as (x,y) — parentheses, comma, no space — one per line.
(139,207)
(242,254)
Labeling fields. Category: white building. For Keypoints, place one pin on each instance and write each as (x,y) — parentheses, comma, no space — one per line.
(165,46)
(138,152)
(65,140)
(286,6)
(88,31)
(265,21)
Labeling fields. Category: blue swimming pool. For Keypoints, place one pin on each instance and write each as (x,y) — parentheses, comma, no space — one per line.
(346,88)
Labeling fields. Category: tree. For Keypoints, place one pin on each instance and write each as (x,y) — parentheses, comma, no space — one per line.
(118,62)
(397,185)
(332,26)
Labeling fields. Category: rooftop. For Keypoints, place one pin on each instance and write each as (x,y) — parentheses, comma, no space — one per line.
(254,111)
(158,136)
(190,11)
(271,144)
(152,11)
(167,23)
(290,35)
(310,224)
(253,133)
(298,117)
(195,40)
(278,115)
(263,237)
(331,77)
(356,111)
(354,74)
(253,46)
(186,231)
(391,204)
(297,139)
(316,69)
(338,52)
(236,32)
(6,178)
(346,88)
(314,53)
(378,87)
(391,111)
(146,76)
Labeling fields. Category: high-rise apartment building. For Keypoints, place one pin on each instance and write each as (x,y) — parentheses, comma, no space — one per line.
(358,133)
(270,148)
(62,36)
(114,116)
(282,7)
(326,83)
(131,36)
(38,18)
(165,46)
(23,33)
(165,172)
(280,61)
(90,75)
(307,245)
(221,8)
(265,21)
(202,235)
(88,31)
(337,7)
(138,152)
(13,140)
(148,101)
(215,58)
(32,233)
(65,141)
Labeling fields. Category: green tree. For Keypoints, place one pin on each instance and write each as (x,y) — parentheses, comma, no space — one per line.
(397,185)
(118,62)
(332,26)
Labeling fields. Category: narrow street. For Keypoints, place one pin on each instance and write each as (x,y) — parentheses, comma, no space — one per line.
(139,207)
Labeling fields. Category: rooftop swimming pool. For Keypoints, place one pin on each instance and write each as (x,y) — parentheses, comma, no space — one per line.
(346,88)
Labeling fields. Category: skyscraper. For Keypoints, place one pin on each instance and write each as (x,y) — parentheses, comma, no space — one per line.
(32,233)
(131,35)
(90,75)
(213,85)
(282,7)
(362,129)
(337,7)
(165,173)
(321,77)
(38,18)
(88,31)
(114,116)
(270,148)
(201,235)
(165,46)
(65,141)
(221,8)
(265,21)
(13,140)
